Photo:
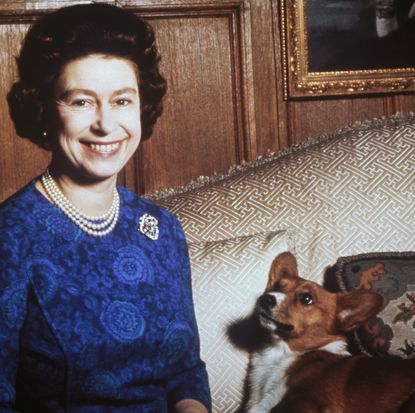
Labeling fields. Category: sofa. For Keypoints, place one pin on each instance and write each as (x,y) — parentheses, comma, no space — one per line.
(343,203)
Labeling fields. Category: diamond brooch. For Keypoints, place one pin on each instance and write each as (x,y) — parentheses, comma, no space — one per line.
(149,226)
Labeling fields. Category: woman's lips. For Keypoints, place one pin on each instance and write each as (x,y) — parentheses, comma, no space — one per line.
(104,148)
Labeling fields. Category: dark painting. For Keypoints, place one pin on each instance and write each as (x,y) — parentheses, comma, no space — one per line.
(349,35)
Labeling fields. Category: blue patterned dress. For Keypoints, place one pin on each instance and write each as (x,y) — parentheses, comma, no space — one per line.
(95,324)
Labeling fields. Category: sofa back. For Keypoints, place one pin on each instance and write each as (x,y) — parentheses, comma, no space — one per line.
(345,193)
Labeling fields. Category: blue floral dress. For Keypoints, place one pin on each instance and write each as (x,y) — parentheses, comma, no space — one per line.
(95,324)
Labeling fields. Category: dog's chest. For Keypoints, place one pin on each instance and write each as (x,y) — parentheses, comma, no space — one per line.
(267,377)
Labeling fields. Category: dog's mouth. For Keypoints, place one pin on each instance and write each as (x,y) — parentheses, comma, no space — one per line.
(271,324)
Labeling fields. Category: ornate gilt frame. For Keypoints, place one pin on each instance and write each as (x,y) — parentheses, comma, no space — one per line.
(300,82)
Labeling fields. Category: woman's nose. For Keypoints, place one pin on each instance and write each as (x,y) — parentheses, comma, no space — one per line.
(105,120)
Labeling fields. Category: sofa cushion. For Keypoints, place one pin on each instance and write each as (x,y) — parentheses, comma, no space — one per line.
(228,276)
(392,275)
(347,192)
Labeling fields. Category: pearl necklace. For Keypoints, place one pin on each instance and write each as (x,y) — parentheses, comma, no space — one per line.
(97,226)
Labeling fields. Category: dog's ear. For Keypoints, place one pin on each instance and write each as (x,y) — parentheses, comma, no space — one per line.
(356,307)
(284,265)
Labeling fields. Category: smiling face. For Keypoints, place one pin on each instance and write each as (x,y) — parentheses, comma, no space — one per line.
(96,124)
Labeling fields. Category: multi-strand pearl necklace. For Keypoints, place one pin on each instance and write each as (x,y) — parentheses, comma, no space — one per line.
(97,226)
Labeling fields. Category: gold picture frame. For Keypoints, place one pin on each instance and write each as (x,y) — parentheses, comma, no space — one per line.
(304,78)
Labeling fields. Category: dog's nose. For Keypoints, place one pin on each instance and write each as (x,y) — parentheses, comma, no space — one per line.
(267,301)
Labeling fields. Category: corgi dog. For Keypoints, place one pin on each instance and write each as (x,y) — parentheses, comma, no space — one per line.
(304,366)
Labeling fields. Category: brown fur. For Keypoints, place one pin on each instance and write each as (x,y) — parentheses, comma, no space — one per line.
(323,382)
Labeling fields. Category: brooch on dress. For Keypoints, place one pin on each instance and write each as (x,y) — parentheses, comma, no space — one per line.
(149,226)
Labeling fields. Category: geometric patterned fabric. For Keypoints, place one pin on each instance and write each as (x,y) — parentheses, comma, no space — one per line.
(228,277)
(342,194)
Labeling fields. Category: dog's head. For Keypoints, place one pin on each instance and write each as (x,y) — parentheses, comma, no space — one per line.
(306,315)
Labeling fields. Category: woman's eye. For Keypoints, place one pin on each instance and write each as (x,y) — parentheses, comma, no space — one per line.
(306,299)
(123,102)
(80,103)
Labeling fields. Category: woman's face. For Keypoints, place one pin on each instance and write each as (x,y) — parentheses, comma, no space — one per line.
(98,126)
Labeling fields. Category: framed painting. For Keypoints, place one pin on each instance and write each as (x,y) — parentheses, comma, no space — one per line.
(346,47)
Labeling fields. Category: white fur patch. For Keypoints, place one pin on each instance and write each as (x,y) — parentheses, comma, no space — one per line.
(266,322)
(337,347)
(278,296)
(267,378)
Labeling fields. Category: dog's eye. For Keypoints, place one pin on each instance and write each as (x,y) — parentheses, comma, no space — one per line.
(306,299)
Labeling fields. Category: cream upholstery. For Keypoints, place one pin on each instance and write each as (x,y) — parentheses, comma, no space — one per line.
(240,266)
(346,193)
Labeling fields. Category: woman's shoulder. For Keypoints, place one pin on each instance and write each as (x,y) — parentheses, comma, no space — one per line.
(17,221)
(19,204)
(145,205)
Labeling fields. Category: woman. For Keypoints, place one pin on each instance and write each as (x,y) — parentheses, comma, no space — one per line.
(96,313)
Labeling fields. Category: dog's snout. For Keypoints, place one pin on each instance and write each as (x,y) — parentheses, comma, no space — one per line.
(267,301)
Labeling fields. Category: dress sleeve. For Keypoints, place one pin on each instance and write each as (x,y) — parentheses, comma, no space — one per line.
(13,293)
(191,380)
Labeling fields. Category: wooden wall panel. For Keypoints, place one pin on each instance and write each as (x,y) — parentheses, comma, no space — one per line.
(205,126)
(193,135)
(19,160)
(311,118)
(403,103)
(265,87)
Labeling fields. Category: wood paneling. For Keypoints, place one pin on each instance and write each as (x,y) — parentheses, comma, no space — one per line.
(314,117)
(19,161)
(225,104)
(206,124)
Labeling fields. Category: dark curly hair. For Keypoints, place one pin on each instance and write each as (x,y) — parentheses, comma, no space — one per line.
(76,31)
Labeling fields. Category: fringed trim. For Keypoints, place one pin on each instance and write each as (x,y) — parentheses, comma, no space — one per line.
(395,120)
